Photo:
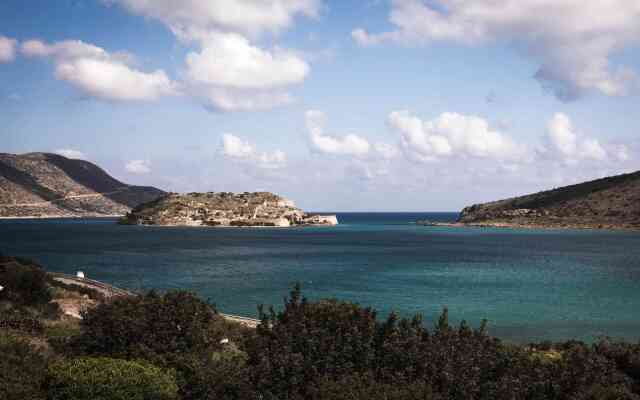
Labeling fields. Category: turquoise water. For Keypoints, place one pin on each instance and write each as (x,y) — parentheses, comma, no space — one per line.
(530,285)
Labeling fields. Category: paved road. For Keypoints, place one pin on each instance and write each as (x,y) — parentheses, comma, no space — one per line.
(76,196)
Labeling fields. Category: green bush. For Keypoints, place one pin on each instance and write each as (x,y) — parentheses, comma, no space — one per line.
(334,350)
(151,327)
(22,370)
(25,283)
(367,388)
(219,376)
(109,379)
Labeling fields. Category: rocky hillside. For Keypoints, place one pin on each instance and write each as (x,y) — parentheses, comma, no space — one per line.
(612,202)
(50,185)
(224,209)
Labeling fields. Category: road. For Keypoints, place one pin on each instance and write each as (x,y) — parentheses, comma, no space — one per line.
(76,196)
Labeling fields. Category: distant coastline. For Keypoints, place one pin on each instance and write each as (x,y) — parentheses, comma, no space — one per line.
(512,225)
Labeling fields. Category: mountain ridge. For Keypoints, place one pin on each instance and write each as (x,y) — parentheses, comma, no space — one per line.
(50,185)
(608,203)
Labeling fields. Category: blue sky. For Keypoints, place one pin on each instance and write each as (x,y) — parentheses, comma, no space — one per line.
(338,105)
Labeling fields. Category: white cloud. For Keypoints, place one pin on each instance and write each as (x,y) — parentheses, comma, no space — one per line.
(350,144)
(139,167)
(229,60)
(230,74)
(452,134)
(100,74)
(572,46)
(570,146)
(70,153)
(229,100)
(386,151)
(7,49)
(248,17)
(241,150)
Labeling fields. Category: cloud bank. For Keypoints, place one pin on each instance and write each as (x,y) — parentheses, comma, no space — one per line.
(452,134)
(572,40)
(228,72)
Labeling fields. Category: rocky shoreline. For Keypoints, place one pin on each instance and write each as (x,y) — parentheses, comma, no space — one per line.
(223,209)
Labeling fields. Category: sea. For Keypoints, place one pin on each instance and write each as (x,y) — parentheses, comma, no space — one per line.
(531,285)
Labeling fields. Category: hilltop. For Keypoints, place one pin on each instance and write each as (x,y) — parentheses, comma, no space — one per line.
(224,209)
(607,203)
(50,185)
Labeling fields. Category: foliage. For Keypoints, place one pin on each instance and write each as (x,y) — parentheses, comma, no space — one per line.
(24,282)
(22,370)
(109,379)
(219,376)
(366,387)
(152,327)
(78,289)
(309,349)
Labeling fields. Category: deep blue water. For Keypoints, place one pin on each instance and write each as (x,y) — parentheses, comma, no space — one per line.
(530,285)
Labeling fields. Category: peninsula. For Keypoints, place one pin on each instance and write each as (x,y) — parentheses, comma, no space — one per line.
(45,185)
(224,209)
(607,203)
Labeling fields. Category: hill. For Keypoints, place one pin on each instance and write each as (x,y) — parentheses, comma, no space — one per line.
(50,185)
(612,202)
(224,209)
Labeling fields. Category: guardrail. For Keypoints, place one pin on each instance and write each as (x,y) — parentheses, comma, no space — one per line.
(122,292)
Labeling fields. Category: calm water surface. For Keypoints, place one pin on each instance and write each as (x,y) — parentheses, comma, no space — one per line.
(530,285)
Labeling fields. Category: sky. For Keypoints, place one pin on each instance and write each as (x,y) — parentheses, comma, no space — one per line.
(339,105)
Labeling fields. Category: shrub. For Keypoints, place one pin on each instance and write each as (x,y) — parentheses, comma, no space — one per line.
(219,376)
(154,327)
(307,341)
(335,350)
(25,283)
(22,370)
(109,379)
(366,387)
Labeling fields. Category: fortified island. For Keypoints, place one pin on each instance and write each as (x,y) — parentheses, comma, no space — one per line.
(224,209)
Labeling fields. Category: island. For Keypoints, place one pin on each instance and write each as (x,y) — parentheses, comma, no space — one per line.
(608,203)
(224,209)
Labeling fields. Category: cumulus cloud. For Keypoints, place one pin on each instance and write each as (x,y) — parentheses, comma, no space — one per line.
(190,18)
(99,73)
(238,149)
(230,74)
(572,47)
(350,144)
(570,146)
(138,167)
(229,60)
(386,151)
(452,134)
(227,72)
(7,49)
(71,153)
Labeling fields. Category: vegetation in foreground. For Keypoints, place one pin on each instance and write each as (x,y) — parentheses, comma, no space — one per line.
(177,346)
